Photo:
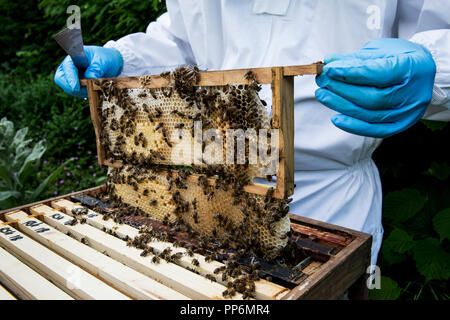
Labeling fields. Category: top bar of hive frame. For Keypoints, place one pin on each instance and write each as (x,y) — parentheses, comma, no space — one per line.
(216,78)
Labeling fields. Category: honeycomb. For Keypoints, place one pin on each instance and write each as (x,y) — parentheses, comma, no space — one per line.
(143,125)
(155,131)
(249,221)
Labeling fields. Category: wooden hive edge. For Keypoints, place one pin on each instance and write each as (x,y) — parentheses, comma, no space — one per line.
(357,251)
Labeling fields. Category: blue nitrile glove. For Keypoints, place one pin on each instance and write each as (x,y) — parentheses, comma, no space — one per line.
(381,89)
(103,62)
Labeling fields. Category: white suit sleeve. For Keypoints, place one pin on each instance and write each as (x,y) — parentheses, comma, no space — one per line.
(427,22)
(162,47)
(438,43)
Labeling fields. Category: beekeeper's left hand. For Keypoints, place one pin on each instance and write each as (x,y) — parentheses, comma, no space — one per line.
(380,90)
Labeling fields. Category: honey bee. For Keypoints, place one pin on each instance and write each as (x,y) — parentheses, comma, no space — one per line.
(249,75)
(269,193)
(217,270)
(144,253)
(167,91)
(144,143)
(195,216)
(168,142)
(210,277)
(165,74)
(224,276)
(195,262)
(159,125)
(176,256)
(152,92)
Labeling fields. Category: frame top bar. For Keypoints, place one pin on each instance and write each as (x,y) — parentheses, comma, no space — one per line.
(216,78)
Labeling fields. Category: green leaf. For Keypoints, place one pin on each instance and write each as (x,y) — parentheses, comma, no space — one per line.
(434,125)
(440,171)
(397,246)
(391,257)
(8,194)
(5,176)
(441,223)
(400,206)
(432,261)
(389,290)
(19,137)
(6,132)
(21,154)
(51,178)
(400,241)
(100,180)
(31,163)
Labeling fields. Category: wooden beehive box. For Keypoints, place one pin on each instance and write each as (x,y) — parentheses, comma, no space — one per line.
(42,256)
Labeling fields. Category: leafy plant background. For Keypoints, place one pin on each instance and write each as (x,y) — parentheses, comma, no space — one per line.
(415,172)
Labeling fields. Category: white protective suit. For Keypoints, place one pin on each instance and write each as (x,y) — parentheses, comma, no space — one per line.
(337,181)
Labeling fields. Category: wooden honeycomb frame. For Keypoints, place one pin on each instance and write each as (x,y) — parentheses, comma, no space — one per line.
(282,85)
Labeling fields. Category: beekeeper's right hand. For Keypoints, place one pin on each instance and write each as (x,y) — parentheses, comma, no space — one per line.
(103,62)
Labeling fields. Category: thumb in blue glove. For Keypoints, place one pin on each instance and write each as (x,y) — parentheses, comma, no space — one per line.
(103,62)
(380,90)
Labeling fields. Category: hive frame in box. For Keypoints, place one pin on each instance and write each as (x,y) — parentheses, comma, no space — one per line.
(282,85)
(344,270)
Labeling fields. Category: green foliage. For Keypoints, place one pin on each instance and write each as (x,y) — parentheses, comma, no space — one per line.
(400,206)
(434,125)
(62,124)
(19,167)
(414,258)
(61,120)
(397,245)
(441,223)
(432,261)
(440,171)
(389,290)
(28,25)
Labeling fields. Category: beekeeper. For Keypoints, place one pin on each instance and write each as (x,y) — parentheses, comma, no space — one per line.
(387,66)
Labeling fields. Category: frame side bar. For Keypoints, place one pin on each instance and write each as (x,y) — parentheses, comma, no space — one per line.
(283,120)
(94,103)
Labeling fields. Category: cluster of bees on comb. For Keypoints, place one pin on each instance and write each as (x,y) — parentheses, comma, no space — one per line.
(206,201)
